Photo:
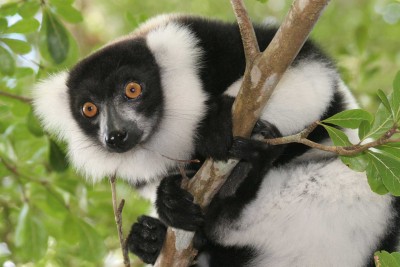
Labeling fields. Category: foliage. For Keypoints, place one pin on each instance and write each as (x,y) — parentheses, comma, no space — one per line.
(48,214)
(381,163)
(385,259)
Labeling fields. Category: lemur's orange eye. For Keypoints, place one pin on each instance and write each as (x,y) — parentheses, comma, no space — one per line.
(133,90)
(89,110)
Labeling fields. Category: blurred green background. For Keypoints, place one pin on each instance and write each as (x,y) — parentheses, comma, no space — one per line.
(49,216)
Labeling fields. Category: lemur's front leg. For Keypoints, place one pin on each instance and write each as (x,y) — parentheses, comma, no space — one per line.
(175,205)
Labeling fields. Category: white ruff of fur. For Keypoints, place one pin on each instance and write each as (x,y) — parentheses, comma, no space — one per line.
(315,214)
(176,52)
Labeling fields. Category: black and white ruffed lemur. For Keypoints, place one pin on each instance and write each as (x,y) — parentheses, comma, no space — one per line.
(165,92)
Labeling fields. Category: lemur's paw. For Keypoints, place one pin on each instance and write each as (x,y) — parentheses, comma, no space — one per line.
(245,149)
(146,238)
(266,130)
(255,148)
(175,205)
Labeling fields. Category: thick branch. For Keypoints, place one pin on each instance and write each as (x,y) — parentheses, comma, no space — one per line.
(263,72)
(268,68)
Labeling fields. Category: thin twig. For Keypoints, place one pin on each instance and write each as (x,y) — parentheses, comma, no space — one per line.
(17,175)
(188,161)
(340,150)
(118,221)
(40,66)
(23,99)
(377,261)
(22,179)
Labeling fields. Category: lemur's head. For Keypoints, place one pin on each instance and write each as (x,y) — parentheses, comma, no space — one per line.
(116,97)
(130,107)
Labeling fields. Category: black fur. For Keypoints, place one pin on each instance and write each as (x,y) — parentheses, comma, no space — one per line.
(223,60)
(220,256)
(215,138)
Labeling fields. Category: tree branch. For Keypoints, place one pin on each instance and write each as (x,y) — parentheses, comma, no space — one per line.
(17,175)
(26,100)
(339,150)
(263,72)
(118,221)
(249,39)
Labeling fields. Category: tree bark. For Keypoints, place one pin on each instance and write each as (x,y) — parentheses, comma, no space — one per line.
(262,74)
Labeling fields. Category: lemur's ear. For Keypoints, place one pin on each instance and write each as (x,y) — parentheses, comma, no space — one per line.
(50,103)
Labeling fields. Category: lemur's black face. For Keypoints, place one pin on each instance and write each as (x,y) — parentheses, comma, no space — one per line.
(115,95)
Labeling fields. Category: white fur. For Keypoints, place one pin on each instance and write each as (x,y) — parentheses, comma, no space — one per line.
(176,53)
(316,214)
(306,91)
(175,50)
(50,102)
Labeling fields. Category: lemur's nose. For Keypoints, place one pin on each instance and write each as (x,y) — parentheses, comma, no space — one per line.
(116,139)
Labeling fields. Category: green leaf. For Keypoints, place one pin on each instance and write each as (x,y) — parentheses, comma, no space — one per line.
(349,118)
(24,26)
(60,2)
(30,235)
(48,200)
(23,72)
(55,202)
(21,225)
(396,256)
(53,38)
(91,244)
(392,149)
(9,9)
(7,65)
(29,9)
(388,169)
(3,24)
(374,179)
(395,100)
(57,158)
(71,229)
(338,137)
(34,125)
(363,129)
(384,100)
(357,163)
(18,46)
(382,123)
(386,259)
(68,13)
